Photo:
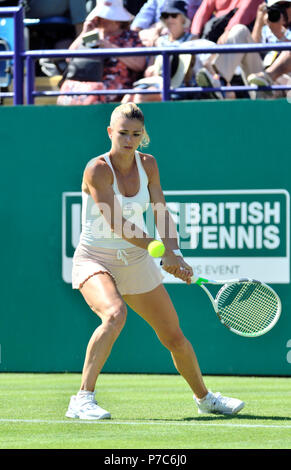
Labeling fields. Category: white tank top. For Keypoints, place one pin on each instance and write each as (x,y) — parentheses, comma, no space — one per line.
(95,230)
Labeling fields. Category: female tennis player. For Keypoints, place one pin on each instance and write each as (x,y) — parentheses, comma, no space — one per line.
(112,267)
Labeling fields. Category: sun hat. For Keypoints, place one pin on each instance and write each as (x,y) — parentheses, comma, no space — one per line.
(110,10)
(175,6)
(180,64)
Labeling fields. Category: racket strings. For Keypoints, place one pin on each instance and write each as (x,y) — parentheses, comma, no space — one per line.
(254,315)
(249,316)
(248,308)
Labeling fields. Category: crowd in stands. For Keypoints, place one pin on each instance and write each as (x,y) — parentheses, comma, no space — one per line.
(75,24)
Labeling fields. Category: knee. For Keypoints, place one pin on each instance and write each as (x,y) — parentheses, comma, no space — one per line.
(175,342)
(114,317)
(239,33)
(286,55)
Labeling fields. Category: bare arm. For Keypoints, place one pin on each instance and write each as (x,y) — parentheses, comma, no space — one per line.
(98,181)
(134,63)
(259,23)
(163,220)
(86,27)
(165,225)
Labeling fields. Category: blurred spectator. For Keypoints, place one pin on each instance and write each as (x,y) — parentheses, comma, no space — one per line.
(148,23)
(221,68)
(216,16)
(273,23)
(174,17)
(151,11)
(277,65)
(111,22)
(278,72)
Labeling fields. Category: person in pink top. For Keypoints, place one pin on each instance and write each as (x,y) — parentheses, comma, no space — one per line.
(230,12)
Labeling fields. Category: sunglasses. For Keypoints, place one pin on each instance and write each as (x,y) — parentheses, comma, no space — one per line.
(165,16)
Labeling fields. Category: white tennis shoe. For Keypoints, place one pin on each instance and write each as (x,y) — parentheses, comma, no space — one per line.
(86,407)
(217,404)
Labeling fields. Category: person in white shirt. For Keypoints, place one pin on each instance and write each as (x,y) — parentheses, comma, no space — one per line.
(112,267)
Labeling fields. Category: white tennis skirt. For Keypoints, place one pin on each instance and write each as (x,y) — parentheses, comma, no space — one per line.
(133,270)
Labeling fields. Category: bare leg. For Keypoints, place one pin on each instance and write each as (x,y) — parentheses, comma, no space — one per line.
(226,64)
(156,308)
(280,66)
(104,299)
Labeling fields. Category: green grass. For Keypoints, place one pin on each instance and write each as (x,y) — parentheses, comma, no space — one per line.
(148,412)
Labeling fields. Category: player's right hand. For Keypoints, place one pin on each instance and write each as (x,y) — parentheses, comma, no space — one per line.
(176,266)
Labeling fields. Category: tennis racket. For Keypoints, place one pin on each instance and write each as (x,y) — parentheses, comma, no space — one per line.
(245,306)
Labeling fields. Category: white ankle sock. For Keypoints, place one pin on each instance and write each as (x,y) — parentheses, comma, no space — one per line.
(84,393)
(201,400)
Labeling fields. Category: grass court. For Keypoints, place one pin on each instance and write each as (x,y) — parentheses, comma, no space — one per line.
(148,412)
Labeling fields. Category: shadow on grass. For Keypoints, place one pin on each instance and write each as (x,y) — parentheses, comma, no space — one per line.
(240,417)
(211,418)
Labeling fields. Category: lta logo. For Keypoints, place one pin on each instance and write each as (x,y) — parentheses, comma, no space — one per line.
(222,234)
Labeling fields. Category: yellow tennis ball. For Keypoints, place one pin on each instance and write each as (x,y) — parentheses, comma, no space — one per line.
(156,249)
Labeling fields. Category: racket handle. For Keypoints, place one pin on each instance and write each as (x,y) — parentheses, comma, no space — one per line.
(198,280)
(194,279)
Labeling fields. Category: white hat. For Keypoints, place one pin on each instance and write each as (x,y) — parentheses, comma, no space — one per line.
(178,76)
(270,3)
(180,72)
(110,10)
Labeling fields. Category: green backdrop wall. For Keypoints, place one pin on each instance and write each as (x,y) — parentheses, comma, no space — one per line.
(230,161)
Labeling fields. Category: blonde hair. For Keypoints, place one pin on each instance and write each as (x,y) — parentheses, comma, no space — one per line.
(130,111)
